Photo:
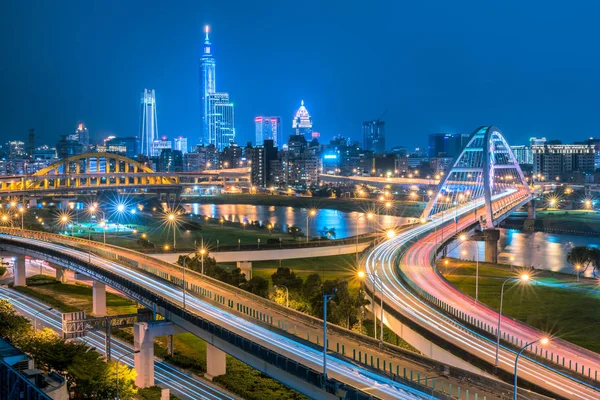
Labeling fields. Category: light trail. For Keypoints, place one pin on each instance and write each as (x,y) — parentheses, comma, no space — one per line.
(417,247)
(364,379)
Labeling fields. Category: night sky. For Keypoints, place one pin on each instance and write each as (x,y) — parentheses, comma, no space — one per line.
(530,67)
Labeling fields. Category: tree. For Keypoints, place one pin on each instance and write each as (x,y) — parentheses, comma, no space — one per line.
(312,287)
(12,326)
(257,285)
(284,277)
(295,231)
(90,375)
(583,256)
(127,389)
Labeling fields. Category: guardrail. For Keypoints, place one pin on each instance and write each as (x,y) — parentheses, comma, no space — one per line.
(154,300)
(537,354)
(360,357)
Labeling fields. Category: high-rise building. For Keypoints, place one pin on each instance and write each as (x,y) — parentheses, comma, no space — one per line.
(157,146)
(374,136)
(552,160)
(447,144)
(221,125)
(523,154)
(148,122)
(83,135)
(126,146)
(16,149)
(261,163)
(207,84)
(170,161)
(268,128)
(302,123)
(180,144)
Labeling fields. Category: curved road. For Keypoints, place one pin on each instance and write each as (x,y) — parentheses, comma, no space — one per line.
(417,248)
(354,375)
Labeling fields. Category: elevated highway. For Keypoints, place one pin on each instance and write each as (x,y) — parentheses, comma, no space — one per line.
(419,300)
(273,339)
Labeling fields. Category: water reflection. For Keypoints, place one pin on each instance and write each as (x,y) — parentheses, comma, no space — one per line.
(345,224)
(538,249)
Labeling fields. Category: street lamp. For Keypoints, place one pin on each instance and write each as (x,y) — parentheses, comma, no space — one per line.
(202,252)
(117,370)
(578,269)
(361,275)
(464,238)
(368,216)
(522,278)
(172,220)
(543,342)
(326,298)
(35,317)
(311,213)
(287,294)
(390,233)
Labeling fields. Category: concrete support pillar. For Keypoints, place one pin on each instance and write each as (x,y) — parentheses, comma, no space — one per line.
(19,271)
(491,237)
(98,298)
(143,341)
(170,345)
(531,209)
(61,274)
(246,268)
(215,362)
(33,202)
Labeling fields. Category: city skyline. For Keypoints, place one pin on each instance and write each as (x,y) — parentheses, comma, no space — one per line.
(417,106)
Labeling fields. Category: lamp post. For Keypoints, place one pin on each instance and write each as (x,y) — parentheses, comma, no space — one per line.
(35,317)
(287,294)
(522,278)
(464,238)
(22,211)
(311,213)
(543,341)
(326,298)
(117,371)
(368,216)
(172,218)
(578,269)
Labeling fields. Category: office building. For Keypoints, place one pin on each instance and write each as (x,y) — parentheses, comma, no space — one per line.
(446,144)
(261,163)
(127,146)
(221,123)
(267,128)
(180,144)
(83,136)
(231,156)
(67,147)
(302,122)
(157,146)
(170,160)
(207,84)
(148,122)
(374,136)
(16,148)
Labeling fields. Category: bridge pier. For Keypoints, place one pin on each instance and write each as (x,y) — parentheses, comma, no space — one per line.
(531,209)
(33,202)
(215,362)
(61,274)
(20,271)
(491,237)
(246,268)
(143,343)
(98,298)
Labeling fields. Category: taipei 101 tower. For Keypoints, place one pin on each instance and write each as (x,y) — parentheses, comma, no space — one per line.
(207,84)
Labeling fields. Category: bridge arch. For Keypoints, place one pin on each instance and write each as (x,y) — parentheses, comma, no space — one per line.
(94,163)
(486,169)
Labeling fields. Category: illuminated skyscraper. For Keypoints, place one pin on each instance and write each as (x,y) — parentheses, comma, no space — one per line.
(302,123)
(148,122)
(221,127)
(207,83)
(268,128)
(83,135)
(374,136)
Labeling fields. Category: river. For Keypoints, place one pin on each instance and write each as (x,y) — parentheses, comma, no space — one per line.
(345,224)
(538,249)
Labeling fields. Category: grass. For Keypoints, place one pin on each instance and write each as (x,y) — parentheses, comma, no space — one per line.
(151,393)
(552,302)
(190,351)
(77,297)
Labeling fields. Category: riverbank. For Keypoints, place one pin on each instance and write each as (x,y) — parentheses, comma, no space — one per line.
(397,208)
(552,302)
(573,222)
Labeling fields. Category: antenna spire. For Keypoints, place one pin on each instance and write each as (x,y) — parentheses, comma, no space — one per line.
(206,30)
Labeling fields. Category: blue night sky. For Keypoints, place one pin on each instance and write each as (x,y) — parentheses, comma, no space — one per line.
(529,67)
